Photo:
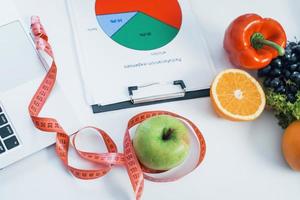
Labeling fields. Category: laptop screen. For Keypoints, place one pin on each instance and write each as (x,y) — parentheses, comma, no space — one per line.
(19,62)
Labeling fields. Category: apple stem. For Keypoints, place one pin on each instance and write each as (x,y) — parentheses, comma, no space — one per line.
(167,134)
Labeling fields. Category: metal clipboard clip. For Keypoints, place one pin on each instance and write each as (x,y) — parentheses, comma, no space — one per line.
(157,92)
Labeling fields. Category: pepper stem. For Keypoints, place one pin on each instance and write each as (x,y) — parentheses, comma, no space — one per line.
(258,41)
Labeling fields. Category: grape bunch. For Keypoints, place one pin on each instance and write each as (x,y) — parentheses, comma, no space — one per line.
(282,75)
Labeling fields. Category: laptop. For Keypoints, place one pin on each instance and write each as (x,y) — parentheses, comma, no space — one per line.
(21,71)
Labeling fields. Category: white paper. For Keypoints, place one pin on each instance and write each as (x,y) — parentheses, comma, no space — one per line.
(108,68)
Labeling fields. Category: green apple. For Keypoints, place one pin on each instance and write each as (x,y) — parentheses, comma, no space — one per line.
(161,142)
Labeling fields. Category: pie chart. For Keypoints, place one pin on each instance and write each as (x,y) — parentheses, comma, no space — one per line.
(139,24)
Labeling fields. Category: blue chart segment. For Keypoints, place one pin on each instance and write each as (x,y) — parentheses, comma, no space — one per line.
(111,23)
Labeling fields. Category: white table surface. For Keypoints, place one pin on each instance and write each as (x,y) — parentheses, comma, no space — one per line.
(243,160)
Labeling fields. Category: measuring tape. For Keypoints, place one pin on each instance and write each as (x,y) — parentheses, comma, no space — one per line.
(136,172)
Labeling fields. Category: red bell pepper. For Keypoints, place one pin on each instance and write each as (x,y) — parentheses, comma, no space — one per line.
(252,41)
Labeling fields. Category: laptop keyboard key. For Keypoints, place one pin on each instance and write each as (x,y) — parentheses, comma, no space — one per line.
(6,131)
(3,119)
(11,142)
(2,149)
(0,109)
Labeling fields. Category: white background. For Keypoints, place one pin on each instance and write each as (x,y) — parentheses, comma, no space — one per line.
(243,160)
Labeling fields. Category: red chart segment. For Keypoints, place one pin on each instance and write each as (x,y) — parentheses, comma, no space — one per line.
(168,12)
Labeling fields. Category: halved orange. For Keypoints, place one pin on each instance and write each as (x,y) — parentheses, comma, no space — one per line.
(237,96)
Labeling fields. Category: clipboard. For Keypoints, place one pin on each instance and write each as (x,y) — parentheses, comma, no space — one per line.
(118,75)
(180,95)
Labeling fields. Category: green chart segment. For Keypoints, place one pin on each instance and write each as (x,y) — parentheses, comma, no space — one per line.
(142,32)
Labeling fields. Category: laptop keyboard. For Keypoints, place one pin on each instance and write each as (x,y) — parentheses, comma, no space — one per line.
(8,140)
